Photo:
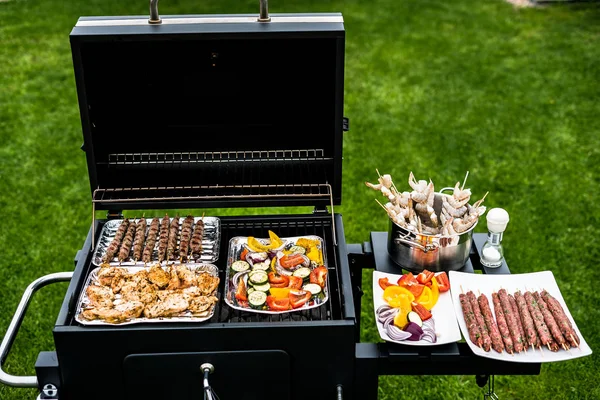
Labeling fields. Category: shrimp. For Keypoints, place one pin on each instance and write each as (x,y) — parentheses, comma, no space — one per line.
(475,211)
(459,197)
(451,211)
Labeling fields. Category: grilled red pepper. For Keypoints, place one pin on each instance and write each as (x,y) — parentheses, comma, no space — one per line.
(290,261)
(299,297)
(295,282)
(423,313)
(424,277)
(278,281)
(318,275)
(276,304)
(384,282)
(410,282)
(443,282)
(241,293)
(244,253)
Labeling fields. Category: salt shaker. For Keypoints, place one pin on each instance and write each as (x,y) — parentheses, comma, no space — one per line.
(492,252)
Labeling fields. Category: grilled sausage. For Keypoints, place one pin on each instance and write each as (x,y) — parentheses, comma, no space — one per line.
(186,236)
(538,319)
(196,243)
(172,243)
(151,240)
(515,308)
(164,237)
(561,318)
(512,320)
(551,322)
(127,242)
(484,306)
(474,332)
(527,320)
(502,326)
(140,235)
(485,336)
(114,245)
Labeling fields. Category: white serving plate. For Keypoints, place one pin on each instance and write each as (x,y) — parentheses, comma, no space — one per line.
(446,328)
(535,281)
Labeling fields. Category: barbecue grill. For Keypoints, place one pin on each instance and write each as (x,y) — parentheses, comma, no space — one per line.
(199,111)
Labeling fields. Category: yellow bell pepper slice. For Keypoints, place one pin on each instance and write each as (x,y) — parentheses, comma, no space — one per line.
(396,296)
(280,293)
(429,297)
(255,245)
(401,319)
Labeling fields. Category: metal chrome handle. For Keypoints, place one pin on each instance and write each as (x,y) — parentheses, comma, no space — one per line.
(412,243)
(13,328)
(264,11)
(207,369)
(154,17)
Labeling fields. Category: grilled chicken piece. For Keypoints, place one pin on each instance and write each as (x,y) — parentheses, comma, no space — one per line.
(191,292)
(143,291)
(200,304)
(187,278)
(207,283)
(120,313)
(173,280)
(171,305)
(107,274)
(159,276)
(100,296)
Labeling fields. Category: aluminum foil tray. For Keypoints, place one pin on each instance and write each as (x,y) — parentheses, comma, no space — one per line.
(210,242)
(238,244)
(186,316)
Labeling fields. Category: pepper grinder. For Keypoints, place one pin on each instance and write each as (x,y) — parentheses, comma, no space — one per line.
(492,253)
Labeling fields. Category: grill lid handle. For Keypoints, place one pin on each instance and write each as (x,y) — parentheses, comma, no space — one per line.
(264,11)
(154,17)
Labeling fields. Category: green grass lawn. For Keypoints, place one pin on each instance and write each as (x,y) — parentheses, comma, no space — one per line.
(434,87)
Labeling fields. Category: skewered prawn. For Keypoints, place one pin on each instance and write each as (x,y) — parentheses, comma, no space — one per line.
(385,185)
(465,223)
(423,194)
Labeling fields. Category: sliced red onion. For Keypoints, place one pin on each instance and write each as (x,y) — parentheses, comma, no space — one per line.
(429,323)
(256,257)
(388,313)
(429,337)
(396,333)
(236,278)
(306,262)
(415,331)
(382,308)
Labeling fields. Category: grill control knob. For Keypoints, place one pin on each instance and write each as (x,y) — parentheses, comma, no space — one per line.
(50,391)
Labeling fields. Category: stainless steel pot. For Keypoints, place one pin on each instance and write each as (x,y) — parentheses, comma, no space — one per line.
(416,252)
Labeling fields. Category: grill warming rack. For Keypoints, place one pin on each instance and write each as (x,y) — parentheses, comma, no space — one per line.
(247,164)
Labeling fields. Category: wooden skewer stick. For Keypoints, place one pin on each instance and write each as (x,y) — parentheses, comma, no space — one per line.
(575,341)
(465,181)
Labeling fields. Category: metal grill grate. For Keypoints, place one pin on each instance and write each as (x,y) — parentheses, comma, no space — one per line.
(187,159)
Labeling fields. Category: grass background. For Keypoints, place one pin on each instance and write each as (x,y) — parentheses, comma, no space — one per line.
(434,87)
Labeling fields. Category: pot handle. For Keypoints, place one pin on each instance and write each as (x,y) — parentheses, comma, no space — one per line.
(446,188)
(15,324)
(413,243)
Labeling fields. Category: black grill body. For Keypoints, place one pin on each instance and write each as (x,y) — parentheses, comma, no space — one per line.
(297,355)
(202,112)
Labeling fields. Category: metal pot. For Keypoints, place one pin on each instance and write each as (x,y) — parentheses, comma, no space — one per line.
(416,252)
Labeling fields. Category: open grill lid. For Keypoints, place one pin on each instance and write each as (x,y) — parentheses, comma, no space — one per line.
(211,111)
